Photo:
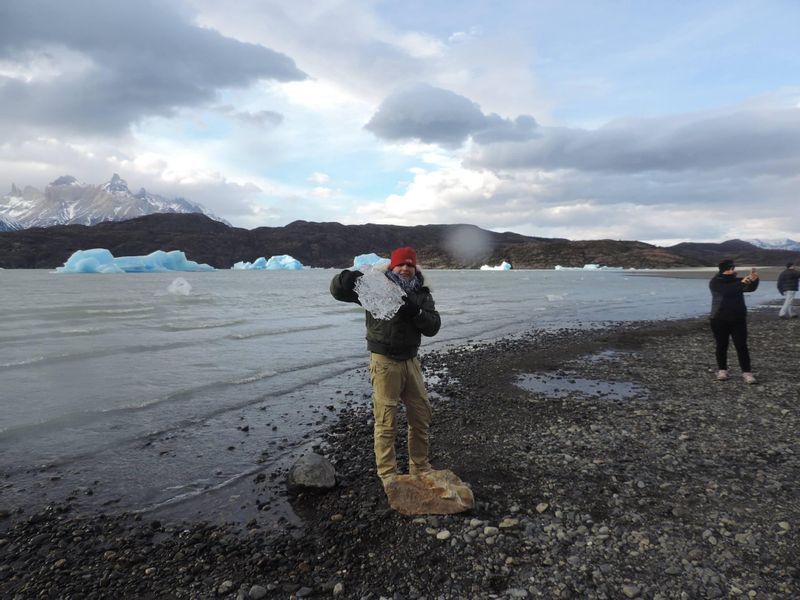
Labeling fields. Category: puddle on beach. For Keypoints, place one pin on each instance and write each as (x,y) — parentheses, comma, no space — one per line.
(559,386)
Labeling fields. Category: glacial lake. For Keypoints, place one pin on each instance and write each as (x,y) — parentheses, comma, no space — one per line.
(120,395)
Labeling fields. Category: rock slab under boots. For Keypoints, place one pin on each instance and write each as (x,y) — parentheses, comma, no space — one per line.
(432,493)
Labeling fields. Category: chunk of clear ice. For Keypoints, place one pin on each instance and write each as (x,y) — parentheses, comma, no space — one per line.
(180,287)
(378,294)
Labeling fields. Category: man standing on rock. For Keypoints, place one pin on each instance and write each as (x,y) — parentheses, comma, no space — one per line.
(787,286)
(395,371)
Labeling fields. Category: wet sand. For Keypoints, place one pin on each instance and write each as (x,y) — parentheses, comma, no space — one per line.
(655,481)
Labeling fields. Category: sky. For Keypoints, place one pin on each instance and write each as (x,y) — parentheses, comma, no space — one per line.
(653,120)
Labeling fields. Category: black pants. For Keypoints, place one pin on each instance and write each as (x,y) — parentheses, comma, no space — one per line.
(736,330)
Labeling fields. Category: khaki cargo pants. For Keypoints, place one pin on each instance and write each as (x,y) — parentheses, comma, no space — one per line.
(395,381)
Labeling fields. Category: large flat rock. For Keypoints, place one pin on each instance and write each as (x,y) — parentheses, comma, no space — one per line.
(433,493)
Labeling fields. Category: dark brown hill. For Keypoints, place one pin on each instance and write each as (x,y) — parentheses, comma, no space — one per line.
(737,250)
(334,245)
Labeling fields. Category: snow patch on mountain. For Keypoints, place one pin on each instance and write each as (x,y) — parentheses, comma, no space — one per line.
(67,201)
(6,225)
(775,244)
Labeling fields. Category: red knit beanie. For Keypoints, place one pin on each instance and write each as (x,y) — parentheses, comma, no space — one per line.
(403,256)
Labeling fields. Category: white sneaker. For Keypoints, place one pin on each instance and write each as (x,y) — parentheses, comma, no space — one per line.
(748,378)
(722,375)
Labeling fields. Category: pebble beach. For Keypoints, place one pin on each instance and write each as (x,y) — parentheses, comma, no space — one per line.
(605,463)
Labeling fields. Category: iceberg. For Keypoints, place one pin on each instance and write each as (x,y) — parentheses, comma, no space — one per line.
(589,267)
(100,260)
(281,262)
(259,263)
(503,266)
(368,260)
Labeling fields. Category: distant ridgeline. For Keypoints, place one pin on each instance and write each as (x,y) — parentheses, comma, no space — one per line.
(205,240)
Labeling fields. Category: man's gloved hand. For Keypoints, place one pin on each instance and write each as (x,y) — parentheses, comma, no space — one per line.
(412,305)
(348,279)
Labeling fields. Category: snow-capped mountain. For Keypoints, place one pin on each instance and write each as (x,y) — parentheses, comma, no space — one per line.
(67,201)
(8,225)
(786,244)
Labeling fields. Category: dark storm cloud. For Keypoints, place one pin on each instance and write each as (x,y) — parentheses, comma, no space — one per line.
(137,59)
(435,115)
(760,140)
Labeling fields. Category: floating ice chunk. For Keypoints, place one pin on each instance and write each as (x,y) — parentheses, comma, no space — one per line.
(554,298)
(285,262)
(503,266)
(377,294)
(100,260)
(368,260)
(96,260)
(159,262)
(589,267)
(180,287)
(259,263)
(280,262)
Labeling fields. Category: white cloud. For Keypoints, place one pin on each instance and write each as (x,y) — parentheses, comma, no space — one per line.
(319,178)
(261,94)
(574,205)
(322,192)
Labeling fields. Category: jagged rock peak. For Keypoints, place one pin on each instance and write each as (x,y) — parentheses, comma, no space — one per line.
(142,193)
(15,191)
(65,180)
(116,184)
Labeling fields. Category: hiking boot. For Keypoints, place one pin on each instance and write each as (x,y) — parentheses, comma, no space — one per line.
(748,378)
(416,471)
(722,375)
(387,479)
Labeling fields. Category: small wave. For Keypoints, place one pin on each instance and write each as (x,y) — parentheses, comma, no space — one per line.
(100,352)
(26,337)
(253,378)
(23,363)
(118,311)
(199,325)
(282,331)
(200,483)
(197,488)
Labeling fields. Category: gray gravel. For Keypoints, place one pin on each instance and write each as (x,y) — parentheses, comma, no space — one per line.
(687,489)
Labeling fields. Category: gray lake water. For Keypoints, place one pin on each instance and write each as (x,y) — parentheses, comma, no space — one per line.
(117,393)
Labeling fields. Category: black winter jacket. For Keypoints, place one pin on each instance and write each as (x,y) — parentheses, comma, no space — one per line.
(399,337)
(727,297)
(787,280)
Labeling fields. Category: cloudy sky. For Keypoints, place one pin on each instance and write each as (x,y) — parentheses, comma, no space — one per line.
(654,120)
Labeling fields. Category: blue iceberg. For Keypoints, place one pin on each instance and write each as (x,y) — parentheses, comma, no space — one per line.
(503,266)
(281,262)
(368,260)
(100,260)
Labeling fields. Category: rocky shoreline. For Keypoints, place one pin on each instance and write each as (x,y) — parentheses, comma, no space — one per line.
(622,470)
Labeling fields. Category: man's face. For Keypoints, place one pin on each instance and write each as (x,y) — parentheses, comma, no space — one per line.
(406,271)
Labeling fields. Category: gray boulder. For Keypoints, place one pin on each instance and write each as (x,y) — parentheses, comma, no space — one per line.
(312,471)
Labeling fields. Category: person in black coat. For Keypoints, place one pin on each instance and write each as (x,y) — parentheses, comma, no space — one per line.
(729,317)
